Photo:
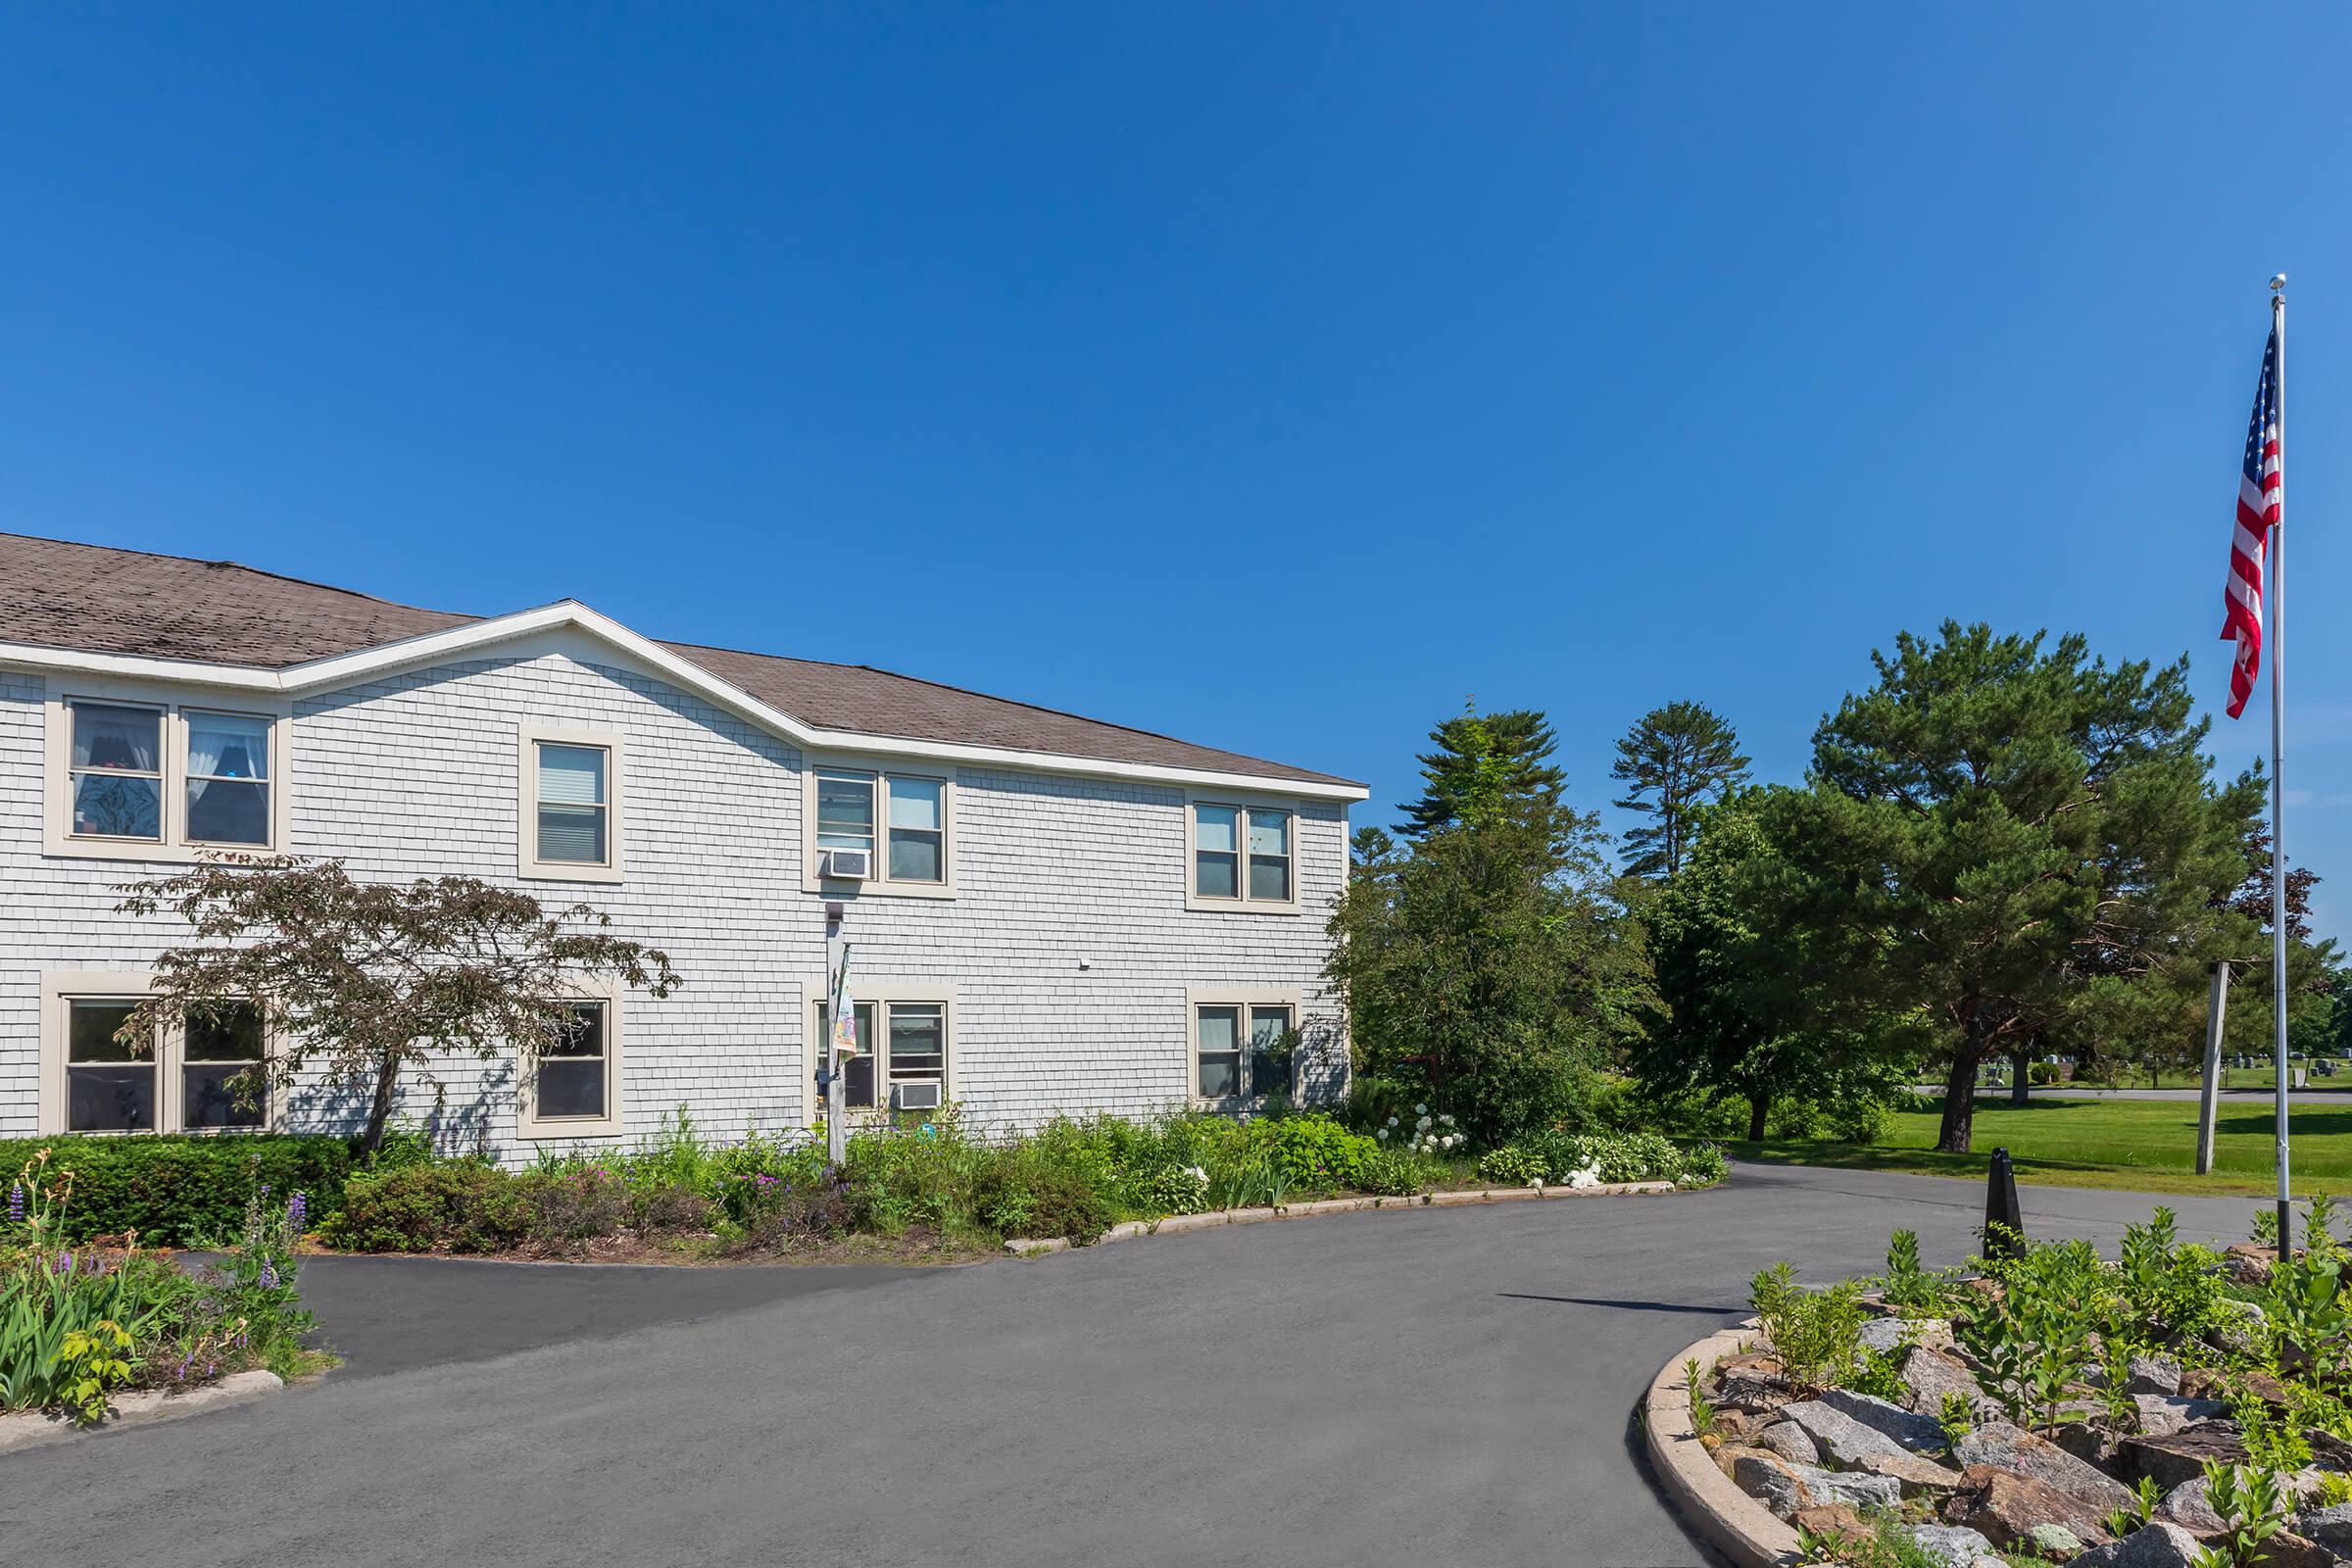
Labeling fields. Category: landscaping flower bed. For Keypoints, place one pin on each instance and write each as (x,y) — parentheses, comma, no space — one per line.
(937,1188)
(2173,1406)
(81,1324)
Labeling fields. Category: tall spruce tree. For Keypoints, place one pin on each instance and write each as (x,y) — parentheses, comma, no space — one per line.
(1484,762)
(1675,761)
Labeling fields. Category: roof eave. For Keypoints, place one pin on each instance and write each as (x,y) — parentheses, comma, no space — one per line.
(408,652)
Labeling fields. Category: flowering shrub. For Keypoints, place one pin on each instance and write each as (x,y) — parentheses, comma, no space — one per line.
(77,1327)
(1512,1165)
(1175,1189)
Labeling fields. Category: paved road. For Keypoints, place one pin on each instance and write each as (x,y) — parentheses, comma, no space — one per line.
(1445,1387)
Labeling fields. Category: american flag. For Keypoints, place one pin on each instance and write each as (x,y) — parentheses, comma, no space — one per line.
(2257,511)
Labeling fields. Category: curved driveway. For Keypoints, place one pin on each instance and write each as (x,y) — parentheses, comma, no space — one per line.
(1431,1387)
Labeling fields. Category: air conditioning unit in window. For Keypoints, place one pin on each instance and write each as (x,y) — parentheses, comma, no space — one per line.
(917,1097)
(848,866)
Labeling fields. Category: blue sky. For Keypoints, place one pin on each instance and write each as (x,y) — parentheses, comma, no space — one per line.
(1274,376)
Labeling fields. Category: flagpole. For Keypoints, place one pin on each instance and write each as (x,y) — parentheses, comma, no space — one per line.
(2278,652)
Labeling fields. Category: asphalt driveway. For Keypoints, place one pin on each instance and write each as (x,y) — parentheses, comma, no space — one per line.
(1432,1386)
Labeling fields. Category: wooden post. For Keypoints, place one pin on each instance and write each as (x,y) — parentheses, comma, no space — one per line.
(2207,1100)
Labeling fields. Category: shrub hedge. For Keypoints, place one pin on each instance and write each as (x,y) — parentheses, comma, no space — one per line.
(182,1191)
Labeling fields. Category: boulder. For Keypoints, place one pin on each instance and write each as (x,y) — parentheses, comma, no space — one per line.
(2153,1374)
(2330,1527)
(2180,1458)
(2188,1506)
(1957,1546)
(1842,1439)
(1789,1440)
(2240,1334)
(1769,1479)
(2008,1447)
(2249,1264)
(2328,1451)
(1918,1433)
(2055,1541)
(1929,1375)
(2287,1549)
(2161,1415)
(2159,1546)
(2005,1508)
(1833,1520)
(1751,1383)
(2094,1444)
(1786,1487)
(1885,1333)
(1918,1477)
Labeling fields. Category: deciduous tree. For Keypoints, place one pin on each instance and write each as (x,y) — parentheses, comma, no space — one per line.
(372,979)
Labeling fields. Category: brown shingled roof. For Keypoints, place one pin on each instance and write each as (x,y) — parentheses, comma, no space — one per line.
(96,598)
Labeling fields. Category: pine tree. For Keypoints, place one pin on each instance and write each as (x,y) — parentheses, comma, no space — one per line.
(1481,761)
(1677,759)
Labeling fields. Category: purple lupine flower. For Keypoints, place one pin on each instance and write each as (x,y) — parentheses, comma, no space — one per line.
(264,1189)
(15,1203)
(298,1209)
(269,1275)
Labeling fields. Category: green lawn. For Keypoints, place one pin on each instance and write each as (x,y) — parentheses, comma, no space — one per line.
(2147,1144)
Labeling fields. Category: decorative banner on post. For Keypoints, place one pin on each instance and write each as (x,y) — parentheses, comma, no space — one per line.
(845,1010)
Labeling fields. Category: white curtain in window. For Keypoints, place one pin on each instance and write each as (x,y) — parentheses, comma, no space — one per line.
(116,737)
(572,775)
(222,746)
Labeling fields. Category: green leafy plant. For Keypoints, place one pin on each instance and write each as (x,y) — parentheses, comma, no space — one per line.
(1955,1417)
(1702,1408)
(2035,1335)
(2134,1516)
(1817,1335)
(91,1364)
(1512,1165)
(2253,1507)
(2266,1227)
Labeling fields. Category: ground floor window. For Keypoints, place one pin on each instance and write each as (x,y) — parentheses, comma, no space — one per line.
(902,1060)
(575,1088)
(96,1078)
(1243,1047)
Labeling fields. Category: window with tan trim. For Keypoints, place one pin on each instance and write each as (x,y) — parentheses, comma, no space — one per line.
(903,1038)
(573,1089)
(205,1077)
(1241,856)
(137,776)
(903,822)
(569,826)
(1244,1045)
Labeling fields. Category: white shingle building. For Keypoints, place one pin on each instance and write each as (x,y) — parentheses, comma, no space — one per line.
(1054,914)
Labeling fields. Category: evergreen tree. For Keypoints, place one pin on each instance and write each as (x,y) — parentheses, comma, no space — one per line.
(1675,761)
(1481,762)
(2029,841)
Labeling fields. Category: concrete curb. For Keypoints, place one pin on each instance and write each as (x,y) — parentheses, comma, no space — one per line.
(1732,1522)
(1178,1224)
(33,1429)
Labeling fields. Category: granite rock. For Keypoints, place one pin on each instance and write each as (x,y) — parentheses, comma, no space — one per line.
(2159,1546)
(2008,1447)
(2006,1508)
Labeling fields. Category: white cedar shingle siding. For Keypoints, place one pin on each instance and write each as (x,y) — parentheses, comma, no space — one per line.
(416,774)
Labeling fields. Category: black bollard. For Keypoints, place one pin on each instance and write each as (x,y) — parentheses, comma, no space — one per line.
(2004,1222)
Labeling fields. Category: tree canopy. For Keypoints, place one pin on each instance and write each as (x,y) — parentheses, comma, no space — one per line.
(374,978)
(1673,762)
(1483,958)
(2028,840)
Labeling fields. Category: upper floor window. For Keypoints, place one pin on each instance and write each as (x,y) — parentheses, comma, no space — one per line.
(228,778)
(571,805)
(899,824)
(161,780)
(1243,855)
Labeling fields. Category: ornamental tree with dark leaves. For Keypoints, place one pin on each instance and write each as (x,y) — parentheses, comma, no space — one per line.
(368,981)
